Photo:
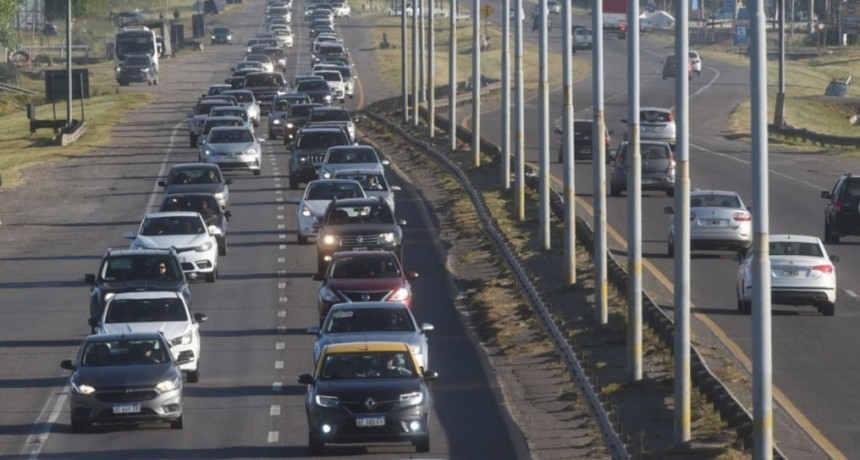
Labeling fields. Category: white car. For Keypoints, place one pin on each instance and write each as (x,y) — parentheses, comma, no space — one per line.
(342,9)
(351,157)
(335,82)
(801,273)
(372,181)
(186,232)
(247,101)
(315,200)
(232,147)
(153,311)
(718,220)
(696,62)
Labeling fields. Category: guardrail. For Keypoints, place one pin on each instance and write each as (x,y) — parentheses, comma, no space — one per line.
(811,136)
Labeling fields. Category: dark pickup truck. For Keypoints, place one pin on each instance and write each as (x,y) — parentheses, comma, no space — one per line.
(309,150)
(265,86)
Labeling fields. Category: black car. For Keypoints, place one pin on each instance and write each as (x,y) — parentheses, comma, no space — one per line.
(280,109)
(222,35)
(309,150)
(127,270)
(367,392)
(137,68)
(207,206)
(295,119)
(265,86)
(198,178)
(841,214)
(356,224)
(318,90)
(582,140)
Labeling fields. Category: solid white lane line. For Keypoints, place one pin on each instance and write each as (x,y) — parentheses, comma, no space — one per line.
(42,427)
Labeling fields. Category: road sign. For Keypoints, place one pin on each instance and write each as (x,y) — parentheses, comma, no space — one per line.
(741,34)
(486,11)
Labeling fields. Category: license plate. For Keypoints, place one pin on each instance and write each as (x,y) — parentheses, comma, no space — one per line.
(585,150)
(789,273)
(359,248)
(714,222)
(126,408)
(365,422)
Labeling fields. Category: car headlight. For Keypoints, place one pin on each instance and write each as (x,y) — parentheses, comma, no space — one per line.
(276,121)
(411,399)
(327,98)
(400,295)
(326,401)
(306,211)
(329,240)
(326,175)
(219,196)
(204,247)
(183,339)
(83,389)
(387,237)
(213,37)
(251,151)
(290,125)
(229,37)
(168,385)
(109,296)
(207,152)
(328,295)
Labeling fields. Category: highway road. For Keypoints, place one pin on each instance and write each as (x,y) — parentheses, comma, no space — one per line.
(58,223)
(813,371)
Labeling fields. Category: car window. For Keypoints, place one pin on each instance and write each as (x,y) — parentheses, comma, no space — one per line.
(173,225)
(367,365)
(369,182)
(582,128)
(364,267)
(345,156)
(312,85)
(193,175)
(375,214)
(312,140)
(330,115)
(791,248)
(300,111)
(139,267)
(655,152)
(328,191)
(369,320)
(124,353)
(852,188)
(145,311)
(715,201)
(230,136)
(654,116)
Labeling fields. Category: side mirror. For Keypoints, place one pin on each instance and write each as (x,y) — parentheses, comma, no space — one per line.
(200,317)
(411,275)
(228,214)
(306,379)
(215,231)
(319,277)
(90,278)
(395,188)
(426,327)
(228,181)
(129,235)
(93,322)
(313,330)
(834,259)
(261,141)
(825,194)
(668,210)
(431,375)
(161,183)
(67,364)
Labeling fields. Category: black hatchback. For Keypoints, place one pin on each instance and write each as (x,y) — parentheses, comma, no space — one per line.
(582,140)
(842,212)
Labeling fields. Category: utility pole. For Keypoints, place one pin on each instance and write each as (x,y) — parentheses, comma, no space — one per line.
(506,95)
(431,73)
(415,98)
(779,109)
(598,145)
(404,75)
(452,79)
(543,94)
(568,147)
(69,66)
(634,197)
(476,83)
(519,138)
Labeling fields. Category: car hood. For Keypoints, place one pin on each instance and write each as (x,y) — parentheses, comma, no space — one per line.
(167,241)
(171,329)
(363,229)
(125,376)
(230,146)
(364,284)
(360,389)
(194,188)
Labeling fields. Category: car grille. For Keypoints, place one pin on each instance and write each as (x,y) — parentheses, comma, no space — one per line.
(315,159)
(364,296)
(359,240)
(121,395)
(358,407)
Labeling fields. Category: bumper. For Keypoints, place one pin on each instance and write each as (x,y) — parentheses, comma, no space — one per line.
(222,41)
(193,353)
(249,162)
(165,407)
(192,265)
(133,77)
(405,425)
(801,296)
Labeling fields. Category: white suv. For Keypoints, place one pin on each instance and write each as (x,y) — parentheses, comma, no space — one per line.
(154,311)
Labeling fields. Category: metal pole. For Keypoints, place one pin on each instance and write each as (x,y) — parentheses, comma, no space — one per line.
(567,145)
(431,73)
(779,109)
(422,48)
(811,28)
(452,79)
(69,64)
(543,93)
(506,95)
(519,101)
(598,145)
(414,66)
(404,75)
(761,331)
(476,82)
(634,198)
(682,228)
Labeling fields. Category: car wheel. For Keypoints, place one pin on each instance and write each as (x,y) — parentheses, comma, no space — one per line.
(294,183)
(316,446)
(830,237)
(212,276)
(222,247)
(301,239)
(192,140)
(155,82)
(176,424)
(613,190)
(321,264)
(194,376)
(80,427)
(272,136)
(827,309)
(422,444)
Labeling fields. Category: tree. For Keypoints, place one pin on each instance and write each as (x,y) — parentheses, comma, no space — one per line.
(8,11)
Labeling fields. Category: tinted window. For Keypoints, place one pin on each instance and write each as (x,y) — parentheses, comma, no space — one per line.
(330,191)
(139,267)
(369,320)
(311,140)
(145,310)
(788,248)
(312,85)
(715,201)
(174,225)
(195,176)
(124,353)
(655,116)
(365,267)
(367,365)
(654,152)
(330,115)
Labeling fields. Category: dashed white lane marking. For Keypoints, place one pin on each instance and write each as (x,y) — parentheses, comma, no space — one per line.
(282,272)
(279,200)
(282,260)
(279,192)
(273,437)
(280,208)
(282,247)
(275,410)
(39,436)
(279,217)
(279,364)
(851,293)
(282,226)
(276,387)
(280,346)
(282,286)
(282,300)
(282,313)
(282,236)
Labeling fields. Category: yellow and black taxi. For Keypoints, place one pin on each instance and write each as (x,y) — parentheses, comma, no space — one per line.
(365,392)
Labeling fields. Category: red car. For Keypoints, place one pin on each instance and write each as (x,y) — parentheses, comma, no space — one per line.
(362,276)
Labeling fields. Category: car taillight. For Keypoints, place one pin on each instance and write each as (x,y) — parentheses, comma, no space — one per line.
(826,269)
(742,217)
(670,117)
(837,205)
(671,165)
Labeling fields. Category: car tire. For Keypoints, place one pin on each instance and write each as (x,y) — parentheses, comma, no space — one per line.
(829,236)
(422,444)
(294,183)
(192,140)
(316,446)
(155,82)
(212,276)
(321,264)
(827,309)
(614,190)
(176,424)
(194,376)
(744,307)
(301,239)
(80,427)
(222,247)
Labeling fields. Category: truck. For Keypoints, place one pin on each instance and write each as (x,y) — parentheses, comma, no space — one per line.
(615,14)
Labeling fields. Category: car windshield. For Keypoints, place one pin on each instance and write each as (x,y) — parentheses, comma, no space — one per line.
(213,122)
(330,115)
(103,353)
(206,205)
(140,267)
(351,155)
(300,111)
(364,267)
(137,60)
(173,225)
(655,116)
(204,108)
(793,248)
(330,191)
(369,320)
(582,128)
(332,75)
(243,96)
(145,311)
(229,112)
(195,176)
(221,31)
(369,182)
(715,201)
(367,365)
(370,214)
(321,140)
(312,85)
(230,136)
(655,152)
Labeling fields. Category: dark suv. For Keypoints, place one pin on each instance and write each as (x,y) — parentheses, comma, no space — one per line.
(582,145)
(137,68)
(841,214)
(356,224)
(309,150)
(125,270)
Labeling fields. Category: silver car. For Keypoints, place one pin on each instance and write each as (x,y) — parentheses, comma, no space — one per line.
(315,200)
(372,322)
(373,183)
(124,378)
(658,168)
(247,101)
(232,147)
(718,220)
(655,124)
(353,157)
